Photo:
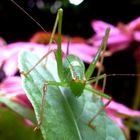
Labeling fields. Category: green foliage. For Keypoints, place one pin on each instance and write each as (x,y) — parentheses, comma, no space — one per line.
(12,127)
(23,111)
(65,116)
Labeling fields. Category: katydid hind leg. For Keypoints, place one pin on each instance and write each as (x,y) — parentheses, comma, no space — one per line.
(58,52)
(103,95)
(104,77)
(42,106)
(104,83)
(91,67)
(58,22)
(94,79)
(46,84)
(90,123)
(38,62)
(99,69)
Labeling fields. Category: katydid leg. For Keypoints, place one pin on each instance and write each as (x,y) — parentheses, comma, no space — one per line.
(98,113)
(101,62)
(58,22)
(104,83)
(97,78)
(46,83)
(92,66)
(102,108)
(42,106)
(94,79)
(26,73)
(94,91)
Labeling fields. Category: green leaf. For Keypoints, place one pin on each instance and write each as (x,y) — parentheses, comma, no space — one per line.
(23,111)
(12,127)
(65,116)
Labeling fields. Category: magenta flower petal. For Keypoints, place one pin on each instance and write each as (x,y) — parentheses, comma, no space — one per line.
(2,42)
(99,27)
(116,35)
(22,99)
(117,112)
(119,122)
(137,36)
(11,85)
(120,109)
(28,122)
(11,51)
(10,67)
(11,88)
(113,39)
(120,36)
(10,58)
(3,55)
(133,24)
(82,50)
(118,47)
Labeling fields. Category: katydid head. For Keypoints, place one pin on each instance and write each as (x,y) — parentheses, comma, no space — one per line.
(74,72)
(77,86)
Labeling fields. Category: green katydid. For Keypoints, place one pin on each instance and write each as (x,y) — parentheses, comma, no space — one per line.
(72,71)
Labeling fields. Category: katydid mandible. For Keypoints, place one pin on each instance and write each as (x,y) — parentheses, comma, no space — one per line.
(72,71)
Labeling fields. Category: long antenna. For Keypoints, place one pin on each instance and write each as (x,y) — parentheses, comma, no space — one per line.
(125,75)
(29,15)
(94,79)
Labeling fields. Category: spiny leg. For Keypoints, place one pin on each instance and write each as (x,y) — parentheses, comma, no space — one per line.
(104,83)
(97,78)
(90,70)
(94,79)
(99,70)
(104,77)
(57,21)
(100,93)
(92,66)
(26,73)
(98,113)
(58,52)
(42,106)
(101,109)
(46,83)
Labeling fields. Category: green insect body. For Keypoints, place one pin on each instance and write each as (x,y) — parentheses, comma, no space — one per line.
(71,71)
(74,73)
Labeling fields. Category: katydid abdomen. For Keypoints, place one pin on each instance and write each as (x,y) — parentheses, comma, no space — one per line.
(74,72)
